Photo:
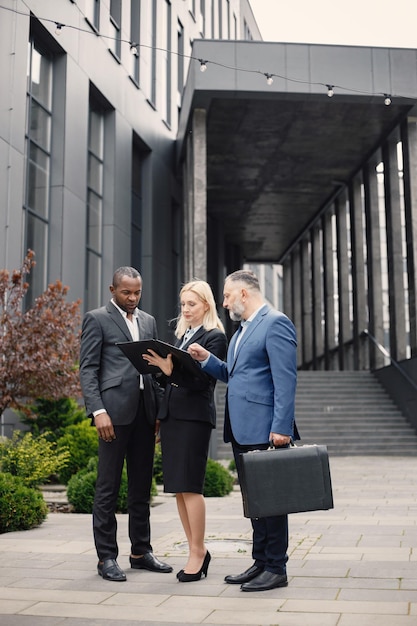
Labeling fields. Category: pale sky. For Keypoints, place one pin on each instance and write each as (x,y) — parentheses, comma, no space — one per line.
(390,23)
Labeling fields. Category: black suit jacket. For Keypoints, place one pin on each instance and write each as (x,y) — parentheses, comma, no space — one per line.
(108,379)
(192,398)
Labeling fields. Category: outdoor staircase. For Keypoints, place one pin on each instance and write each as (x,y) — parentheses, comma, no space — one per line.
(350,412)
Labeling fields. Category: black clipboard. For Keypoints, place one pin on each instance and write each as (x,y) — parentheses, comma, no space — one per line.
(134,350)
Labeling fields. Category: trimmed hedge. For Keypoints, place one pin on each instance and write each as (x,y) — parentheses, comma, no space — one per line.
(34,459)
(218,481)
(81,489)
(82,442)
(21,507)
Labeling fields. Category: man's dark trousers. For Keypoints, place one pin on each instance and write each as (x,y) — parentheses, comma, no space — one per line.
(270,534)
(136,443)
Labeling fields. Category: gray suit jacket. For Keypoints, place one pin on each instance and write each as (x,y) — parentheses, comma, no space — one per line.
(108,379)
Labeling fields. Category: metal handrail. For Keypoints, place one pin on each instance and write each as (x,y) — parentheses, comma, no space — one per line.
(388,355)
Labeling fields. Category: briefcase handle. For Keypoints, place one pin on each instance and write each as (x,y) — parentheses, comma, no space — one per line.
(285,447)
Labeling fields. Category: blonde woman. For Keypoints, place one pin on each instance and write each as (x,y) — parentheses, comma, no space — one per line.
(187,418)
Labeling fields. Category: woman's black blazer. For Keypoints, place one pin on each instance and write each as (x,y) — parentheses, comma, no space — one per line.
(192,398)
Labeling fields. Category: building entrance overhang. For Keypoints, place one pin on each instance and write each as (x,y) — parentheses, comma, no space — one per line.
(278,154)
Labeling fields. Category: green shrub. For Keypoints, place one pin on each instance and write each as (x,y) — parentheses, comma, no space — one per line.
(32,459)
(157,465)
(82,442)
(218,481)
(21,507)
(232,466)
(81,489)
(52,416)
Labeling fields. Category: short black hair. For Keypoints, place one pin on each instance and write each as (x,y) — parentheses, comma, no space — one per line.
(125,271)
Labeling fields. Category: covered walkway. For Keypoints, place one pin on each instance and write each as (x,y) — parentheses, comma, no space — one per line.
(306,156)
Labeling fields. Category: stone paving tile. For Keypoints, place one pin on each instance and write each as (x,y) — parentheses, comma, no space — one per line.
(378,595)
(356,607)
(154,614)
(376,620)
(52,595)
(24,620)
(352,566)
(253,618)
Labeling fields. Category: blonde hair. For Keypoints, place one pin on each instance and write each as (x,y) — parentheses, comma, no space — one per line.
(211,319)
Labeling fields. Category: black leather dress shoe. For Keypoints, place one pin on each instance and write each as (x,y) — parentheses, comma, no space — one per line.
(266,581)
(245,577)
(150,562)
(109,570)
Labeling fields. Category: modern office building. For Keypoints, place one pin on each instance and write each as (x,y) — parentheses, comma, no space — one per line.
(166,135)
(91,96)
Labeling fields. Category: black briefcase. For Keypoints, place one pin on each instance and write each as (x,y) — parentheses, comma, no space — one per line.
(285,480)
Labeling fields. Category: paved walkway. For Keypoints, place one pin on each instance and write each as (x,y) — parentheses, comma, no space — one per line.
(355,565)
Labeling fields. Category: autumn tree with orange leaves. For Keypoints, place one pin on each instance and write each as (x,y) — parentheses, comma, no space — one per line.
(39,347)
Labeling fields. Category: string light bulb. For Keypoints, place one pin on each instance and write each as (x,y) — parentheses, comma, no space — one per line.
(269,78)
(387,99)
(134,49)
(203,65)
(58,28)
(330,91)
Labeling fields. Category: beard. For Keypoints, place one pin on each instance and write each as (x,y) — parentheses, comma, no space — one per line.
(237,311)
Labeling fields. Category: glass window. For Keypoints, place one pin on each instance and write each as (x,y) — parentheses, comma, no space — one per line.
(203,17)
(180,60)
(228,19)
(93,281)
(36,236)
(92,12)
(153,52)
(136,215)
(115,26)
(135,38)
(166,60)
(95,185)
(38,163)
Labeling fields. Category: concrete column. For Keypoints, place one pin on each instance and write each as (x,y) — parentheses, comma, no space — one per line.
(373,243)
(199,183)
(357,230)
(394,250)
(328,290)
(306,302)
(195,199)
(188,234)
(409,142)
(317,297)
(296,307)
(287,307)
(344,328)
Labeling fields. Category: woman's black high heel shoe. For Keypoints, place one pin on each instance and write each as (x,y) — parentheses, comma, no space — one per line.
(183,577)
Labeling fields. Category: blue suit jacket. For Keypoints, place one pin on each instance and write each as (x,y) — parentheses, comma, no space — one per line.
(261,379)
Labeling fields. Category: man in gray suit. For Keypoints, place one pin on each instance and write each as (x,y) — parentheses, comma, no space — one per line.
(122,405)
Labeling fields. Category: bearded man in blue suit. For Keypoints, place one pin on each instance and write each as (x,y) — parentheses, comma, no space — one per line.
(261,375)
